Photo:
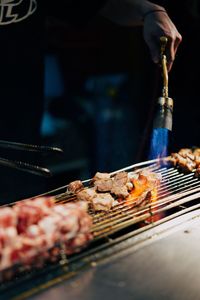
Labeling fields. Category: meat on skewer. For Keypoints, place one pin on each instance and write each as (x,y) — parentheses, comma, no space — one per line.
(108,190)
(27,234)
(187,160)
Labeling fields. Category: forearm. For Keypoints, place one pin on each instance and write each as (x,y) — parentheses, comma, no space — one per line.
(128,12)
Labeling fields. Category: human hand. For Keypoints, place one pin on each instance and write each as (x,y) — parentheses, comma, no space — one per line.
(156,24)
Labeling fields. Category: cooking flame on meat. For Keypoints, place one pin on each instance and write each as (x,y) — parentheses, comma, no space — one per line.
(138,190)
(145,190)
(142,189)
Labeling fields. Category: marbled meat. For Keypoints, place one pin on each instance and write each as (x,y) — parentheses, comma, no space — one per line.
(30,228)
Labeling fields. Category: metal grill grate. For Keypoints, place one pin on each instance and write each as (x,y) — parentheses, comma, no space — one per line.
(117,230)
(176,190)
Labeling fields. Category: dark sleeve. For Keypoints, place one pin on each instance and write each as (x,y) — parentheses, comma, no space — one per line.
(75,12)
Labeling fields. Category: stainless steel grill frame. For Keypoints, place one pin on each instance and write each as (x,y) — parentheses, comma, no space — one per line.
(176,190)
(118,230)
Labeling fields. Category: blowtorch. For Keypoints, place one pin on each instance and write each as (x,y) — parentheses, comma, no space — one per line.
(164,112)
(162,124)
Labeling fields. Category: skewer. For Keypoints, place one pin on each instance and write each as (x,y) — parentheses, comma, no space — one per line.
(144,163)
(141,164)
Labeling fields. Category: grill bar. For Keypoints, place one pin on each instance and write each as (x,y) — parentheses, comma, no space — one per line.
(122,222)
(120,228)
(175,190)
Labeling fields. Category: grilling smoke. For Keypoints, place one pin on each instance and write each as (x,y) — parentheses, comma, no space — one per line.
(159,143)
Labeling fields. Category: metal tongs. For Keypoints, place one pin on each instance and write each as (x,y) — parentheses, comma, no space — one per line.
(23,166)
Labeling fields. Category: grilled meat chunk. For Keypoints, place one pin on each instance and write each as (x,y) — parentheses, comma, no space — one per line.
(120,191)
(102,182)
(86,194)
(152,179)
(120,178)
(103,185)
(98,201)
(120,187)
(197,173)
(103,201)
(186,160)
(108,189)
(75,186)
(185,152)
(196,152)
(100,176)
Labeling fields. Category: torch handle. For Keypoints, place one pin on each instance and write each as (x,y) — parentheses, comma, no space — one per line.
(163,41)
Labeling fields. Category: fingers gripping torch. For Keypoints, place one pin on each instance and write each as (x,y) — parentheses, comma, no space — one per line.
(164,113)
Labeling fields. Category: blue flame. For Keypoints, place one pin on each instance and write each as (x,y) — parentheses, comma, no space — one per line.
(159,143)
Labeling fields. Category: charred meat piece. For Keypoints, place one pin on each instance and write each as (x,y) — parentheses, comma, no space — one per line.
(101,176)
(102,182)
(103,185)
(86,195)
(187,159)
(144,182)
(185,163)
(98,201)
(120,178)
(197,173)
(115,185)
(120,191)
(190,165)
(120,185)
(196,152)
(185,152)
(75,186)
(197,160)
(153,179)
(103,201)
(108,190)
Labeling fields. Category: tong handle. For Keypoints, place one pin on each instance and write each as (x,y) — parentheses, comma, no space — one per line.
(29,147)
(22,166)
(163,42)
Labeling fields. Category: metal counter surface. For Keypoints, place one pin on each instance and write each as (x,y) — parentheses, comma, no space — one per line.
(165,266)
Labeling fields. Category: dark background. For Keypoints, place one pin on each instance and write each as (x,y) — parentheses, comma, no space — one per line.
(100,90)
(110,86)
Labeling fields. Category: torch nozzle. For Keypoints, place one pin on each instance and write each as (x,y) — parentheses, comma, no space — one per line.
(164,114)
